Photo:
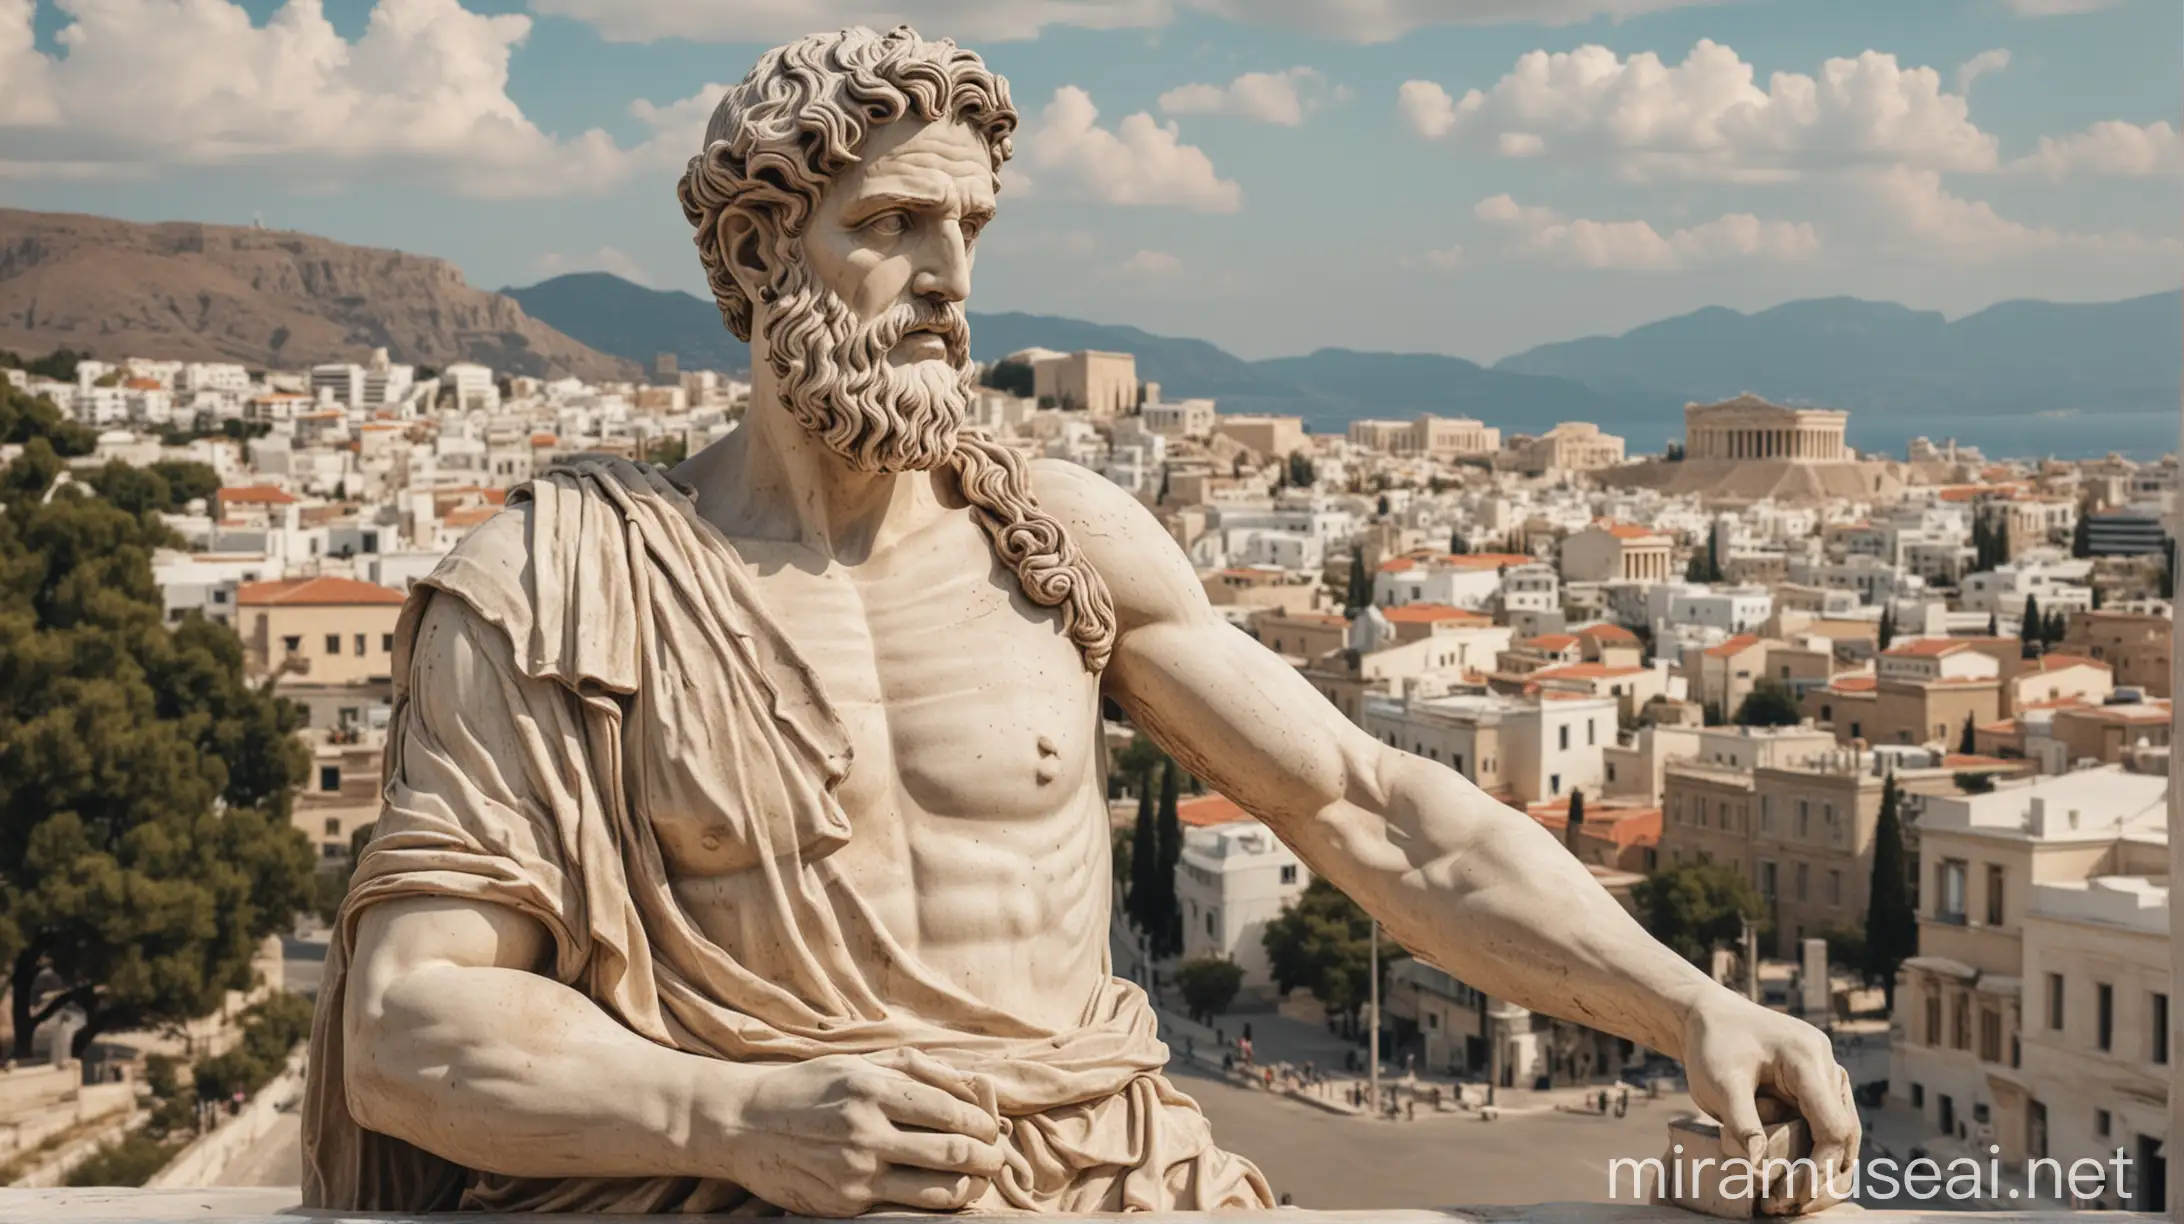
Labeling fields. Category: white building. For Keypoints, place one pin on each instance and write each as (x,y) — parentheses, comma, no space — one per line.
(1231,880)
(1530,748)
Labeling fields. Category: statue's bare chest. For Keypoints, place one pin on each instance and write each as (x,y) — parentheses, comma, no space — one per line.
(960,697)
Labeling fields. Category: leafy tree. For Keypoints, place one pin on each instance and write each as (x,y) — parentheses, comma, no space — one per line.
(668,452)
(2081,537)
(1972,781)
(59,365)
(1769,704)
(2028,622)
(1301,470)
(1209,985)
(1014,377)
(1887,632)
(1674,453)
(24,418)
(1697,907)
(1457,546)
(1167,927)
(1322,942)
(1968,742)
(1846,944)
(145,847)
(1892,928)
(1380,507)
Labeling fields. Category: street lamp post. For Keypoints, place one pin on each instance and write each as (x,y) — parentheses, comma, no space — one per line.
(1372,1038)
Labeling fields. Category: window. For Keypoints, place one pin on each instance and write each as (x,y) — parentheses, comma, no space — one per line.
(1804,818)
(333,643)
(1827,712)
(1591,733)
(1611,771)
(219,595)
(2157,1027)
(1767,880)
(1554,784)
(1565,738)
(2055,1002)
(2102,1124)
(329,777)
(2104,1016)
(1801,873)
(1918,1096)
(1949,885)
(1990,1035)
(293,644)
(359,645)
(1960,1023)
(1289,873)
(1994,894)
(333,826)
(1933,1019)
(1209,922)
(1835,887)
(1855,732)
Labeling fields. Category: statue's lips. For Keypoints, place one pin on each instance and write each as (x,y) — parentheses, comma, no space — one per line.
(922,346)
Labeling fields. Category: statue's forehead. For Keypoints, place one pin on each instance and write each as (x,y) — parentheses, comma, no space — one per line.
(912,157)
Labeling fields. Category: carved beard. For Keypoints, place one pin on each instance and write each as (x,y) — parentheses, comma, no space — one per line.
(836,379)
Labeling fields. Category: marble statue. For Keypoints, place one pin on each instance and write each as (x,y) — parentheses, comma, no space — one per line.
(744,844)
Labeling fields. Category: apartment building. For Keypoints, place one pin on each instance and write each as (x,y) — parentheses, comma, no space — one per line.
(1526,748)
(2134,640)
(1230,881)
(324,630)
(1958,1055)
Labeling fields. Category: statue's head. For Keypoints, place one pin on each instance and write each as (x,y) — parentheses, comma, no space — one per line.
(837,203)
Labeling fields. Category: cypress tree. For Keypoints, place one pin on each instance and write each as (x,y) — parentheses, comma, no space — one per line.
(1360,594)
(1888,626)
(1144,891)
(1168,923)
(1966,744)
(2028,622)
(1892,928)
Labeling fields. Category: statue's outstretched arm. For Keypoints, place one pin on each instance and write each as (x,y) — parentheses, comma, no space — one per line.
(1473,885)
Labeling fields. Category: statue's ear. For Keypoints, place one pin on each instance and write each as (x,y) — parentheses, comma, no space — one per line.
(742,247)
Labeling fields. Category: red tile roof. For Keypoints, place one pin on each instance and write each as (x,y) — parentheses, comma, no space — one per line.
(1928,648)
(262,495)
(1607,633)
(326,591)
(1861,683)
(1429,613)
(1734,646)
(2055,662)
(1551,642)
(1210,810)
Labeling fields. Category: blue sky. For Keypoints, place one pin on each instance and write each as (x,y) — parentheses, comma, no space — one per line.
(1456,176)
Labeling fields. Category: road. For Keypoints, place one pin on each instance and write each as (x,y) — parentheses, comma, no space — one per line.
(276,1160)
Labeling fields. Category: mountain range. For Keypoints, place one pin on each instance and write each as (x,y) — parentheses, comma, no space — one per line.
(278,299)
(265,298)
(2015,358)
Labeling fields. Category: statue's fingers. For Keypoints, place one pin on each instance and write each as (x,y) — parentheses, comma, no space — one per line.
(1742,1135)
(1818,1088)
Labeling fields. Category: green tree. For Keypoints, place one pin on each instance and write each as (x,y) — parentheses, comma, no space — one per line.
(1301,470)
(1457,546)
(1167,928)
(2081,538)
(1014,377)
(667,452)
(1142,902)
(1846,944)
(145,784)
(1208,985)
(1891,927)
(1968,742)
(1697,907)
(59,365)
(2028,622)
(2056,627)
(1360,595)
(1887,632)
(1322,942)
(1769,704)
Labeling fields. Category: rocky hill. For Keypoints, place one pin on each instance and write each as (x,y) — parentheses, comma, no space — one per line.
(265,298)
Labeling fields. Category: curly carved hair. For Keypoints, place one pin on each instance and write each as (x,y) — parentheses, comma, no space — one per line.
(797,120)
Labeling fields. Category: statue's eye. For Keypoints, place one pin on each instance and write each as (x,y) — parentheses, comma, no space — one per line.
(972,226)
(889,225)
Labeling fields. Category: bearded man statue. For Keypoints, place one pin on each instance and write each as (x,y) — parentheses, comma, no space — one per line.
(744,843)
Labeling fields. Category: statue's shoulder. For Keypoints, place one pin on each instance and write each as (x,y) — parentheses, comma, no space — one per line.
(1104,520)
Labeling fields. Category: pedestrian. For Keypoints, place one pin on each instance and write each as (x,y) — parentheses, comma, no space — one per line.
(1270,1079)
(1247,1030)
(1228,1062)
(1410,1064)
(1603,1102)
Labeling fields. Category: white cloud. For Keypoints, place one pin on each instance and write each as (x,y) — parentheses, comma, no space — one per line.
(1362,21)
(1140,162)
(1577,242)
(1003,240)
(1912,212)
(2112,148)
(1706,118)
(1444,259)
(1427,108)
(2057,8)
(605,259)
(1146,267)
(144,85)
(1270,97)
(1992,60)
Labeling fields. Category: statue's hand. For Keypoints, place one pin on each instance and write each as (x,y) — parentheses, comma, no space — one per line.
(1737,1052)
(838,1136)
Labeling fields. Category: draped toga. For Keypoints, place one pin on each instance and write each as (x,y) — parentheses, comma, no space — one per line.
(619,672)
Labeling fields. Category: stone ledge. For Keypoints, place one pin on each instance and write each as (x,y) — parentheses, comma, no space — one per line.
(277,1206)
